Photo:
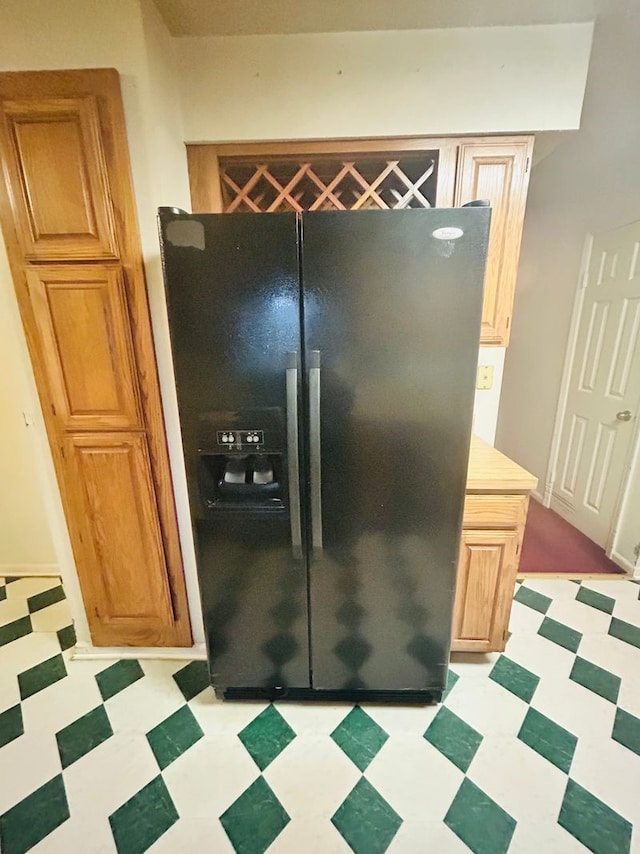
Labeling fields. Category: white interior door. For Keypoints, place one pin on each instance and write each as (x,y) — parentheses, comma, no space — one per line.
(604,390)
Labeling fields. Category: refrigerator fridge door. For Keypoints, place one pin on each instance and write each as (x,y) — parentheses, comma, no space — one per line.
(234,308)
(392,304)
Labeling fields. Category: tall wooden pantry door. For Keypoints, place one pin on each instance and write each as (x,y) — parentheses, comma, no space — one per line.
(69,224)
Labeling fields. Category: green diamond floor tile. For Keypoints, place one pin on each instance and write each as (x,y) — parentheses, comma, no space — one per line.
(626,730)
(365,820)
(548,739)
(255,819)
(593,823)
(142,820)
(35,817)
(173,736)
(266,736)
(625,632)
(81,736)
(360,737)
(533,599)
(452,678)
(600,681)
(44,599)
(118,677)
(17,629)
(559,633)
(11,725)
(479,821)
(596,600)
(514,678)
(66,637)
(41,676)
(193,679)
(454,738)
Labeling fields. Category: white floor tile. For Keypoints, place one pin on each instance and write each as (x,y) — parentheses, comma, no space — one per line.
(575,708)
(26,652)
(143,705)
(612,654)
(415,837)
(76,835)
(487,707)
(313,719)
(524,783)
(309,837)
(26,763)
(208,778)
(299,777)
(52,618)
(535,837)
(628,609)
(29,586)
(415,778)
(221,717)
(194,836)
(60,704)
(616,588)
(539,655)
(12,609)
(611,772)
(583,618)
(398,720)
(103,779)
(524,619)
(554,588)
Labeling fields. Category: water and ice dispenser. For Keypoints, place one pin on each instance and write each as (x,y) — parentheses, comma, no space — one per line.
(241,462)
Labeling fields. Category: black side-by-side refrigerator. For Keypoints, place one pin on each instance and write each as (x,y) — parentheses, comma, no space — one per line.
(325,365)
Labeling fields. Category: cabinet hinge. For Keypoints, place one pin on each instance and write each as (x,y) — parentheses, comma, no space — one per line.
(518,549)
(508,321)
(526,168)
(53,409)
(62,451)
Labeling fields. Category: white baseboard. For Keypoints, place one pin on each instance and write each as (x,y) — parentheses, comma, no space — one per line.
(539,497)
(632,570)
(85,652)
(28,569)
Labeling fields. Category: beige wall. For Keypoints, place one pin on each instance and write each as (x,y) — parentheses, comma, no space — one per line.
(488,79)
(590,183)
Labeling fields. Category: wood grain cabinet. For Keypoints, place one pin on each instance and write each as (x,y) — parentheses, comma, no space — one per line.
(381,174)
(492,533)
(69,223)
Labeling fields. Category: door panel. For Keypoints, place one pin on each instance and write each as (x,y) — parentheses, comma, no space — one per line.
(60,189)
(498,172)
(486,570)
(113,492)
(604,388)
(82,320)
(395,316)
(233,296)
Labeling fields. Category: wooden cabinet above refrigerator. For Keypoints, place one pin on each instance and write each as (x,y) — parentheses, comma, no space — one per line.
(381,174)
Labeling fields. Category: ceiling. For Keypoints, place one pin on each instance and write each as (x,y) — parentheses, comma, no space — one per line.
(246,17)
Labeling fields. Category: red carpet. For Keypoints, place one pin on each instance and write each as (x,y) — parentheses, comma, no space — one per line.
(553,545)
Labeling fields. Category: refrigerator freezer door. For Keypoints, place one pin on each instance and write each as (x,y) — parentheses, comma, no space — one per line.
(234,308)
(392,304)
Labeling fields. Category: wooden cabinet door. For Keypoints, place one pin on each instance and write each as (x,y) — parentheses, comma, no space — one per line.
(117,522)
(499,171)
(59,186)
(486,576)
(81,316)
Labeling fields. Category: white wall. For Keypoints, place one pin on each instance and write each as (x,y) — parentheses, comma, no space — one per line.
(397,83)
(590,183)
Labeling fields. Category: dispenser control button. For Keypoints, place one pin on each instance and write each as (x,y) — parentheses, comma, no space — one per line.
(225,438)
(231,437)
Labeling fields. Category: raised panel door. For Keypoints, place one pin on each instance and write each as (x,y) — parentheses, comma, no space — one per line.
(58,178)
(486,574)
(124,579)
(84,331)
(497,171)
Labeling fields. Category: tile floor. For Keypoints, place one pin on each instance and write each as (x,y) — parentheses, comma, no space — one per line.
(537,750)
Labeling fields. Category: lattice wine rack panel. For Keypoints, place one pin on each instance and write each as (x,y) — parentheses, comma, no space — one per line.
(329,183)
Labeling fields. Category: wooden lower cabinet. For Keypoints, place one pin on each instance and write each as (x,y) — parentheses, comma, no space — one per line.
(487,568)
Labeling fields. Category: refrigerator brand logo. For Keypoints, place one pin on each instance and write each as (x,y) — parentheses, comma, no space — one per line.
(447,233)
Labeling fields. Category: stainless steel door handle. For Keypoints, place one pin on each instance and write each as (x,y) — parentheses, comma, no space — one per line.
(293,464)
(625,415)
(314,452)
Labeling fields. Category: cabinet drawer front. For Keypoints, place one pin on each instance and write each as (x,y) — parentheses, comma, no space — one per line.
(494,511)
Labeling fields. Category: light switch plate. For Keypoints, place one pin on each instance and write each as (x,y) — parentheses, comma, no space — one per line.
(485,376)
